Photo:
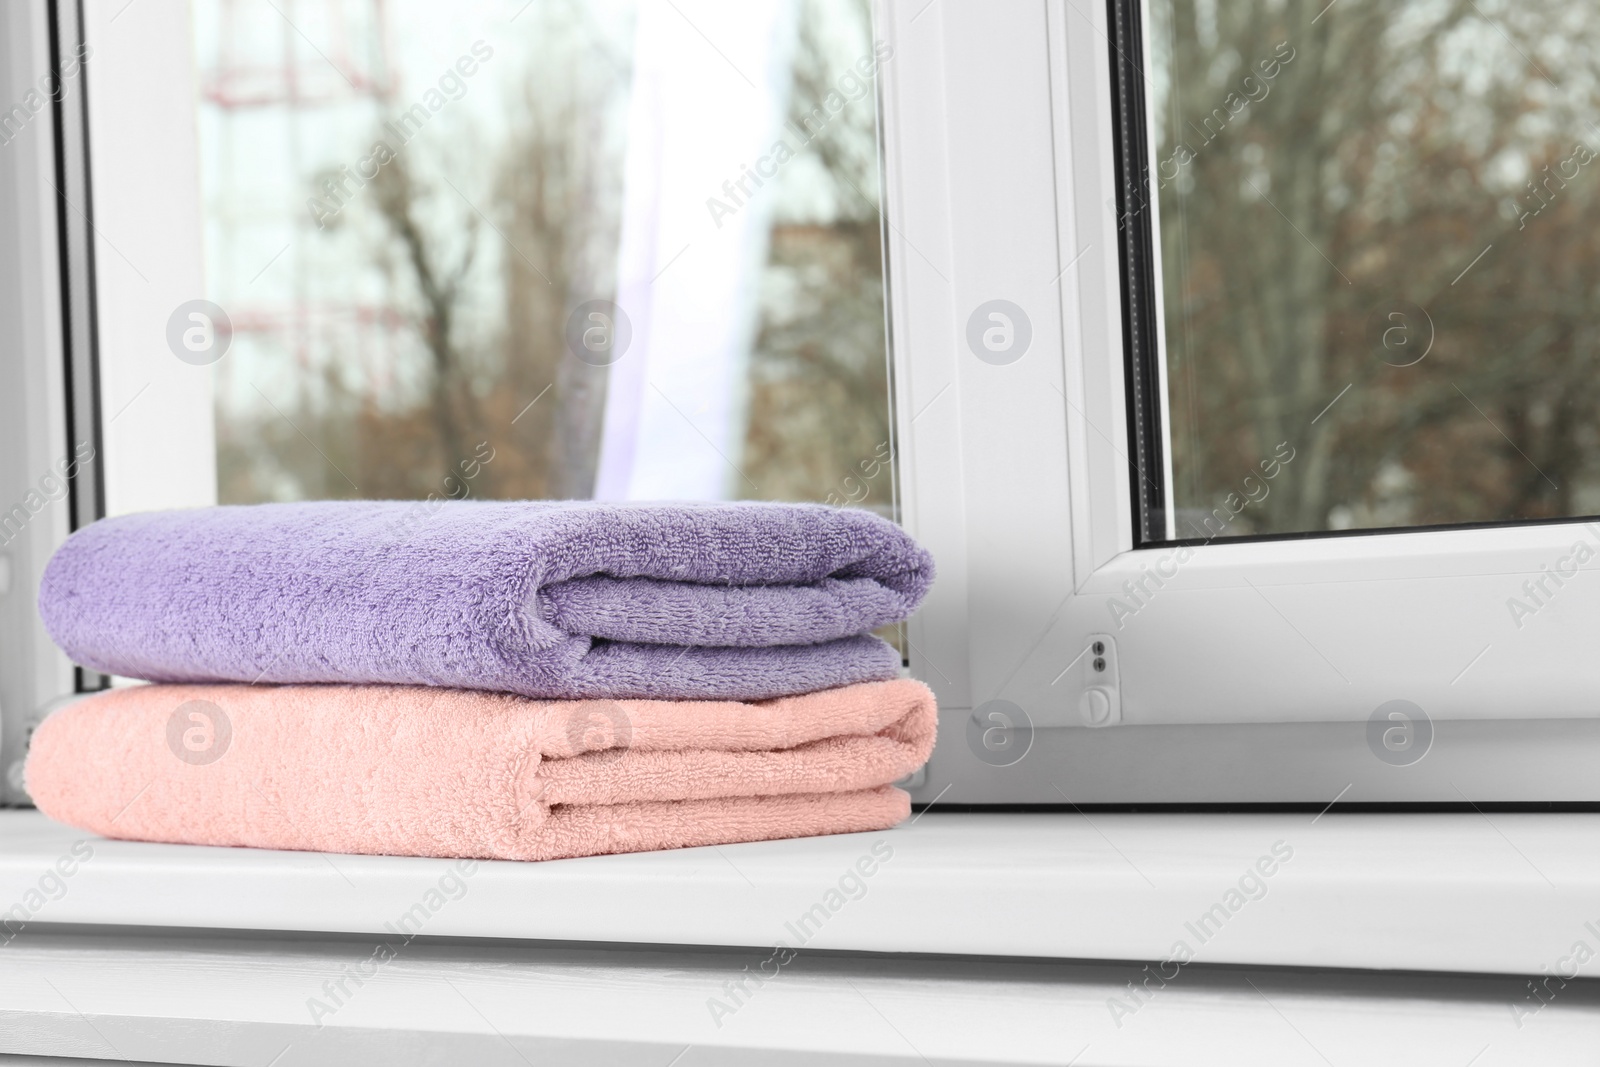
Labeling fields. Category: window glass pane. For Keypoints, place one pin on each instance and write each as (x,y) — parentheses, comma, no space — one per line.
(563,249)
(1380,253)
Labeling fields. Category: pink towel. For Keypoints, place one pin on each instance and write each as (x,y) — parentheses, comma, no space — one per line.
(415,771)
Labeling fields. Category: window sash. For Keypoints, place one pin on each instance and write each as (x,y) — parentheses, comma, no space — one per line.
(44,409)
(1254,668)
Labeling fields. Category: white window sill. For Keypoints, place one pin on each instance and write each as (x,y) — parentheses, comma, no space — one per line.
(1403,892)
(1504,893)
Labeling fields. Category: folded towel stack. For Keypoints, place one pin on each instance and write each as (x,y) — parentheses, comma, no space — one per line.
(487,680)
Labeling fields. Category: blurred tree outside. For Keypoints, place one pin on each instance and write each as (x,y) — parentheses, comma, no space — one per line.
(819,404)
(1380,237)
(480,247)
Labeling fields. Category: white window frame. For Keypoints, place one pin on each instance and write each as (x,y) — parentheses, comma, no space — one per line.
(157,420)
(1249,676)
(35,437)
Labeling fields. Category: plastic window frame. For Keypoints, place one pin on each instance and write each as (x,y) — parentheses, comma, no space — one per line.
(1247,672)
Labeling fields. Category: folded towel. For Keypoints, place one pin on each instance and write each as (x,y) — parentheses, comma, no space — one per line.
(401,770)
(737,601)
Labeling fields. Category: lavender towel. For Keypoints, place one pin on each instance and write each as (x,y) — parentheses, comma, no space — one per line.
(545,599)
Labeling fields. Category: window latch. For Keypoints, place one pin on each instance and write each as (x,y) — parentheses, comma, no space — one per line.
(1090,687)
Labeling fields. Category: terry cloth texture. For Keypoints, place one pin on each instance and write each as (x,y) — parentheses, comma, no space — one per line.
(544,599)
(402,770)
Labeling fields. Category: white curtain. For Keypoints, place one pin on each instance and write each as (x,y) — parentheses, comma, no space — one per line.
(710,88)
